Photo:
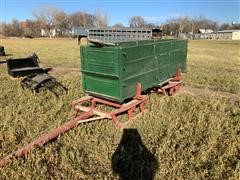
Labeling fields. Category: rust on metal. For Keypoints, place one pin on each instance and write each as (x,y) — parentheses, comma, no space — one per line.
(43,139)
(138,102)
(90,113)
(85,114)
(173,85)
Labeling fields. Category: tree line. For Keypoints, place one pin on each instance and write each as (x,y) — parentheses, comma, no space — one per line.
(183,24)
(48,18)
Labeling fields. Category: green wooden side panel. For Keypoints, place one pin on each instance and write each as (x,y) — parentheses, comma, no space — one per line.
(101,85)
(100,69)
(139,65)
(113,72)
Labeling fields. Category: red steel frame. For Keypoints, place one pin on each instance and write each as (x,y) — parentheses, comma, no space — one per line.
(174,84)
(130,107)
(84,114)
(90,113)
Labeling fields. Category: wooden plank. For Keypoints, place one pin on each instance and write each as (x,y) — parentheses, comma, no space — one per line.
(96,112)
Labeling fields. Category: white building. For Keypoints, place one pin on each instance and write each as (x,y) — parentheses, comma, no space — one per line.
(203,34)
(205,31)
(52,33)
(226,34)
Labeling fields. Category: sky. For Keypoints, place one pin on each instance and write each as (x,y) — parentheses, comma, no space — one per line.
(119,11)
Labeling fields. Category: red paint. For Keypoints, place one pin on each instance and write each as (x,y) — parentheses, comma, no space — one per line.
(138,102)
(173,85)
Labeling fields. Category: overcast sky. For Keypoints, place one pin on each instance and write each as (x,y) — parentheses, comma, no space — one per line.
(120,10)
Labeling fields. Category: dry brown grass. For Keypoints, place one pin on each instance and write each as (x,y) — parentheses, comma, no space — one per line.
(192,136)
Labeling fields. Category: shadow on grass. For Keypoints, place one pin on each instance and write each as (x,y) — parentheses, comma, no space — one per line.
(132,160)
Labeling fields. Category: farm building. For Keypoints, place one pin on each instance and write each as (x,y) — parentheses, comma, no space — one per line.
(205,31)
(52,33)
(203,34)
(226,34)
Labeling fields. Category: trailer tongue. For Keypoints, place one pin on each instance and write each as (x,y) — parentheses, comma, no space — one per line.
(84,114)
(43,139)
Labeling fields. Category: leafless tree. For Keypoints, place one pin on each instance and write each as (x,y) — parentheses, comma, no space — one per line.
(182,23)
(16,29)
(101,18)
(12,29)
(81,19)
(5,28)
(46,15)
(195,24)
(140,22)
(235,26)
(171,27)
(1,28)
(185,24)
(205,23)
(61,22)
(118,25)
(137,22)
(33,28)
(152,25)
(228,26)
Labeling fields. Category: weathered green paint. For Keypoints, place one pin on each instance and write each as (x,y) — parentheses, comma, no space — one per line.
(113,72)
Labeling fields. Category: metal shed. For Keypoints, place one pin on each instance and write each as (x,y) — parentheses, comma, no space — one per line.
(226,35)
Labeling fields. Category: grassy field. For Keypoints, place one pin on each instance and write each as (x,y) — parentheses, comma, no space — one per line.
(214,64)
(192,135)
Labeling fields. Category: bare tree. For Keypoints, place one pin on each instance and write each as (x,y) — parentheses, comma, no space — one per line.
(182,22)
(152,25)
(118,25)
(195,24)
(101,18)
(81,19)
(225,26)
(16,29)
(1,28)
(235,26)
(33,28)
(6,29)
(61,22)
(46,15)
(137,22)
(228,26)
(12,29)
(171,27)
(202,22)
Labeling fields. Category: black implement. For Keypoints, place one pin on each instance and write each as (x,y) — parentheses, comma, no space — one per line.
(19,67)
(35,82)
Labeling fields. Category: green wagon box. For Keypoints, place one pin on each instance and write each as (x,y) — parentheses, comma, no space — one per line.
(113,72)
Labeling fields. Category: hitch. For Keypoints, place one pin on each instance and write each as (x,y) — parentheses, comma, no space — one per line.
(85,114)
